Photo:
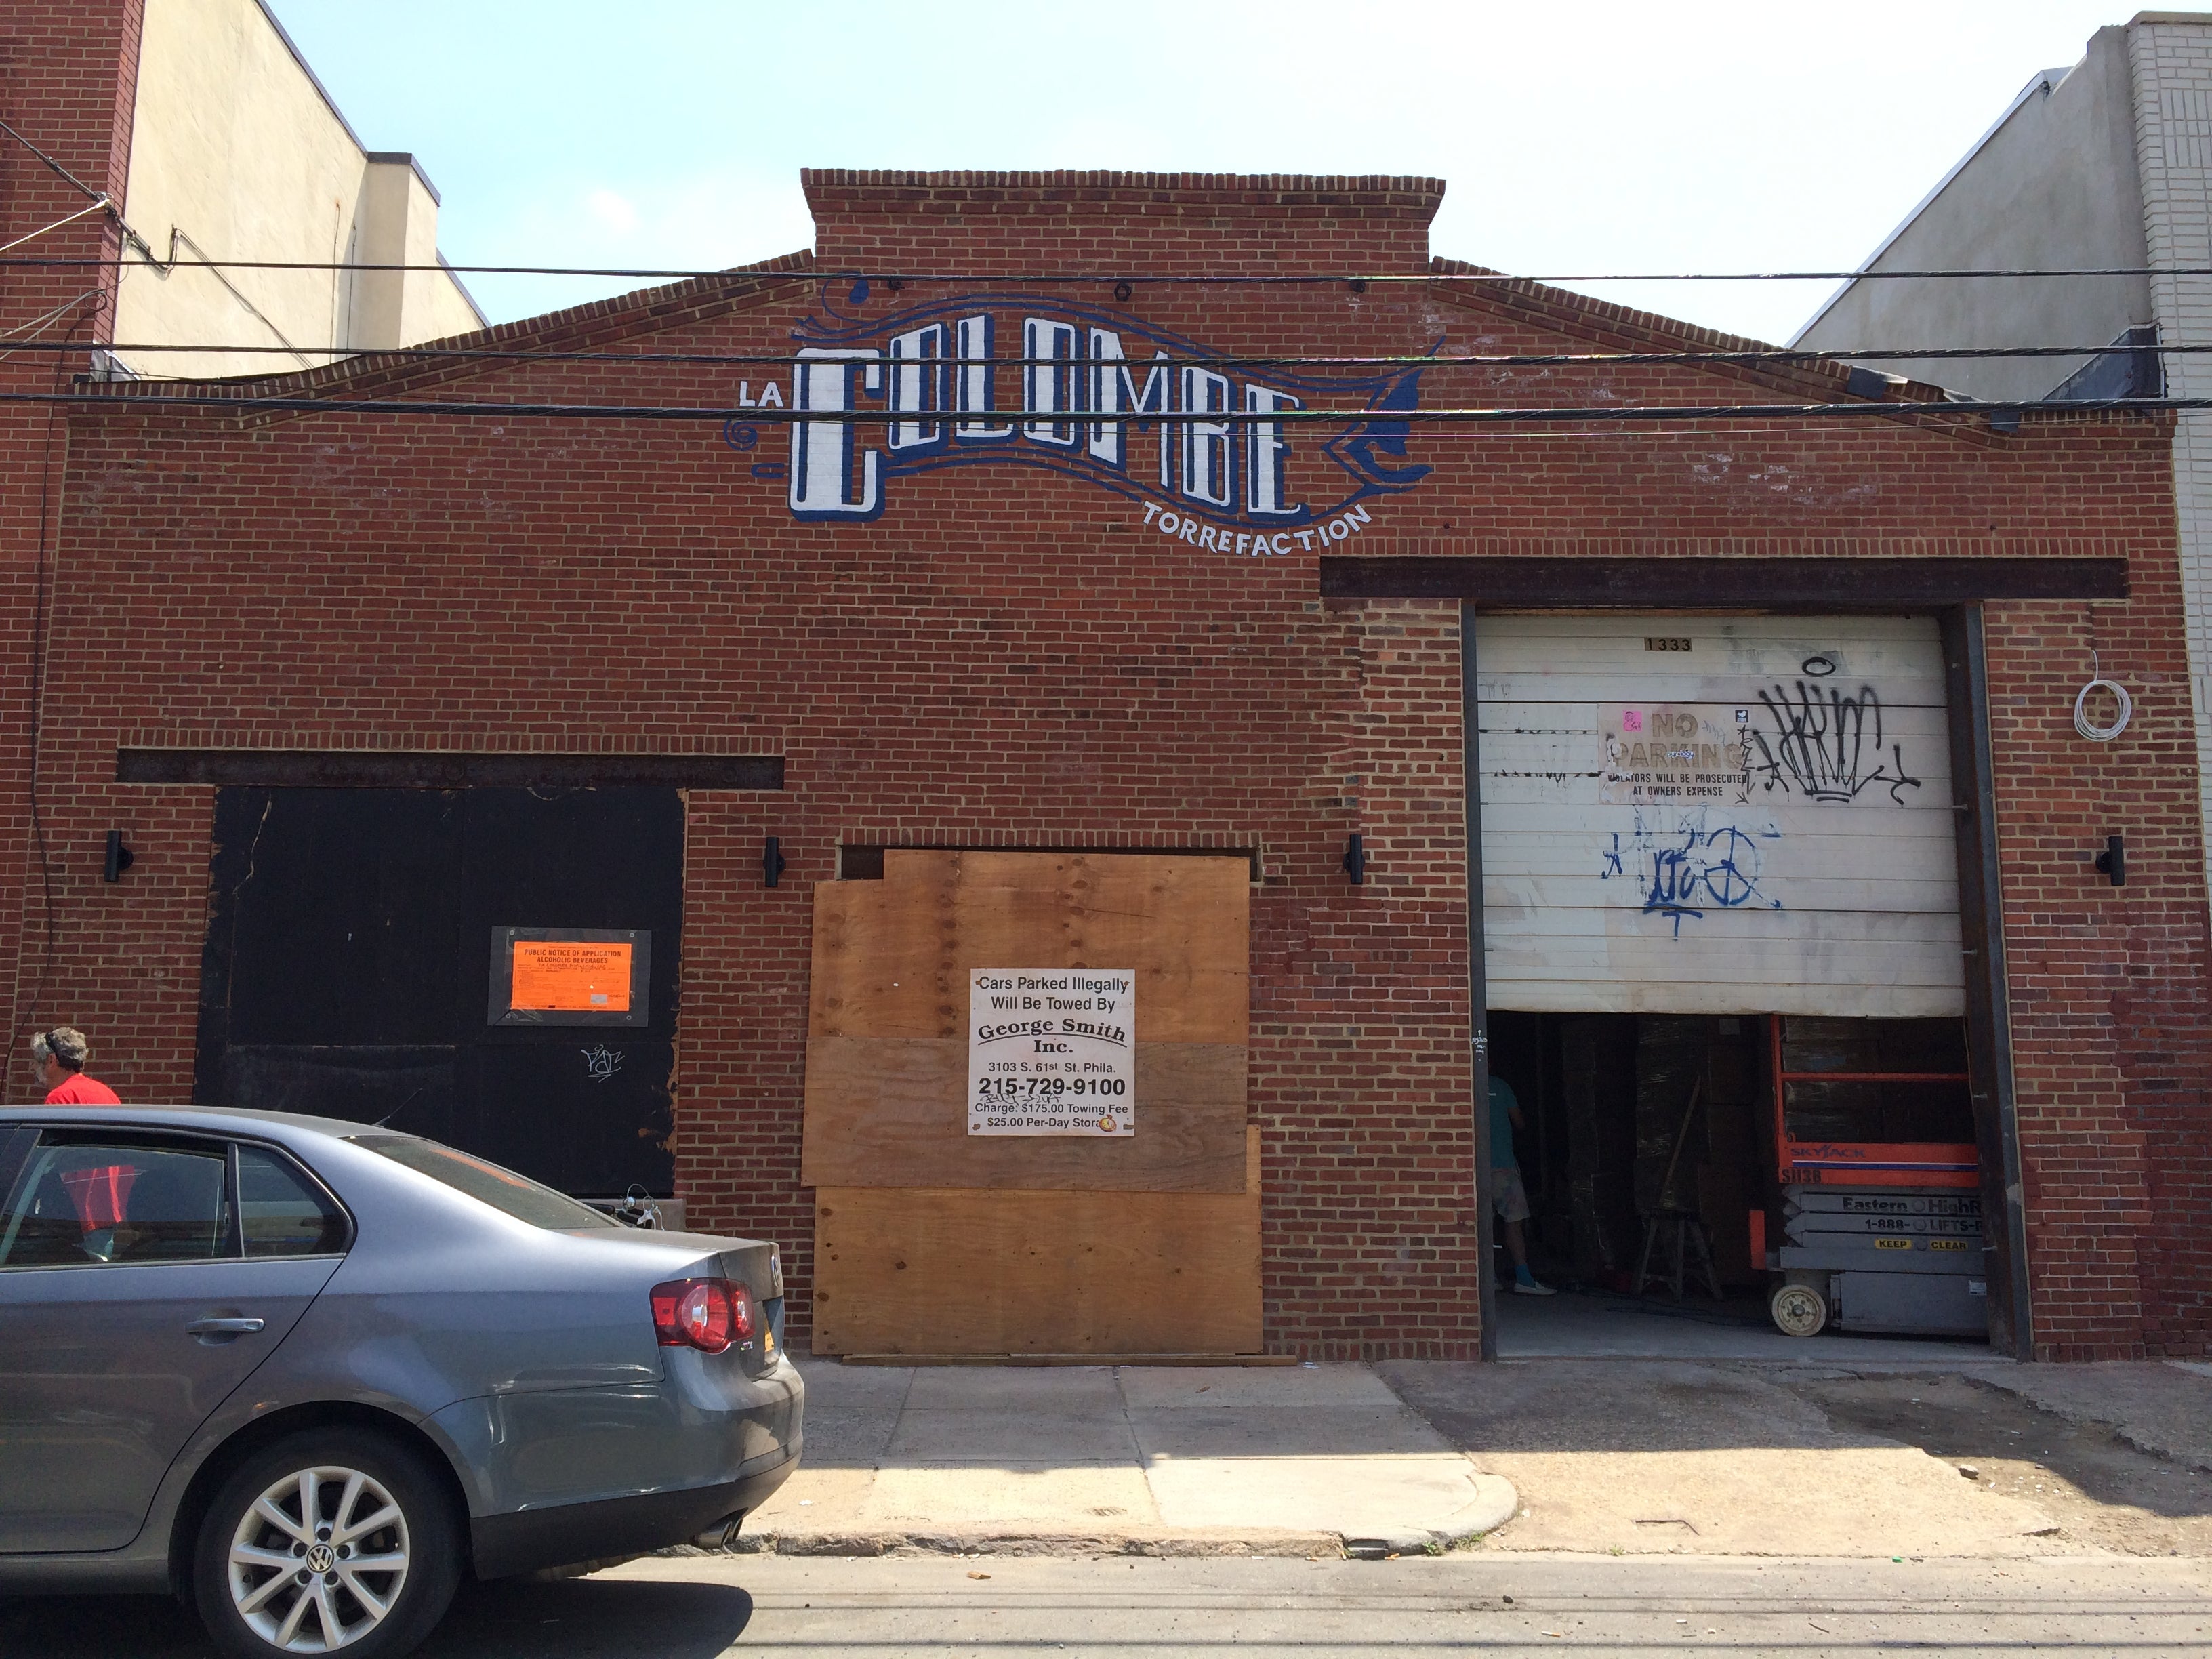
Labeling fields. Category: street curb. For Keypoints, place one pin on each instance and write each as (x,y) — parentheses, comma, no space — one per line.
(1493,1506)
(1002,1540)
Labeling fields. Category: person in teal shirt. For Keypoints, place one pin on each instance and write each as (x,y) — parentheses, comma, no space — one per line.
(1507,1195)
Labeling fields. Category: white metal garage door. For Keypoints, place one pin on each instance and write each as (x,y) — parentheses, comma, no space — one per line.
(1717,815)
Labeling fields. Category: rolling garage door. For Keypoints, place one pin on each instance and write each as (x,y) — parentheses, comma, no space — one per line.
(1700,814)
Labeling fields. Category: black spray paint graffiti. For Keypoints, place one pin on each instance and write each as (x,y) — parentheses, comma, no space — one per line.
(1686,870)
(1825,745)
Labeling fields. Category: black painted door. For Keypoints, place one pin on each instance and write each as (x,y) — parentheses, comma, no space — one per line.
(349,949)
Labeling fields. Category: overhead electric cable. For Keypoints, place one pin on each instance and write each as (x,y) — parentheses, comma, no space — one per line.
(94,206)
(809,273)
(123,401)
(1782,357)
(67,177)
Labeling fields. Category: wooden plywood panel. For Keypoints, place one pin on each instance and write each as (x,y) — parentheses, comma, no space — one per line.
(891,1112)
(892,957)
(1182,924)
(1807,867)
(933,1271)
(883,956)
(886,1053)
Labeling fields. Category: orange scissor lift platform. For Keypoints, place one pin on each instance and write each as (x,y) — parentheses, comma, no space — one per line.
(1878,1235)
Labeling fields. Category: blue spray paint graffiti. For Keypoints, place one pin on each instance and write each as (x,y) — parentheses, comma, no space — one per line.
(1691,868)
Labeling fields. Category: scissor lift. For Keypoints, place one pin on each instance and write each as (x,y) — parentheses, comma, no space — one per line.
(1877,1235)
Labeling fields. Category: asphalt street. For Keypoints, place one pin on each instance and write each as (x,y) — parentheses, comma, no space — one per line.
(1120,1608)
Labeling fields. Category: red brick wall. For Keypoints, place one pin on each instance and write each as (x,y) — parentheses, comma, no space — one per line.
(1038,224)
(1009,657)
(68,80)
(2111,1016)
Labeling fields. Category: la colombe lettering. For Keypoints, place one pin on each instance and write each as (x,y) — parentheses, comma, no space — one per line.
(1085,399)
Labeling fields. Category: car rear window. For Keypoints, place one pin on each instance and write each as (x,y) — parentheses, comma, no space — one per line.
(504,1190)
(281,1211)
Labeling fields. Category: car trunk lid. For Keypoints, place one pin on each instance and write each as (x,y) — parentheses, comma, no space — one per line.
(760,1267)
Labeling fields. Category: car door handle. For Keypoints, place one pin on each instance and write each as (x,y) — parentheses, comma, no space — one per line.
(224,1327)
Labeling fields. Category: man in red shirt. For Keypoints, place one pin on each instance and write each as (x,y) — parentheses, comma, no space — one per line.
(60,1055)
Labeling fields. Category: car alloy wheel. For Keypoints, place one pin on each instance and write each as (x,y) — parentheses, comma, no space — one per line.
(319,1559)
(341,1539)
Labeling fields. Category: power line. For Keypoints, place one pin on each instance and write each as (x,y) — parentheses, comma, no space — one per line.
(1781,356)
(124,402)
(99,197)
(1140,279)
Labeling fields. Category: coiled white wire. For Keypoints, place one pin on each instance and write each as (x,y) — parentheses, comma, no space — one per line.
(2089,728)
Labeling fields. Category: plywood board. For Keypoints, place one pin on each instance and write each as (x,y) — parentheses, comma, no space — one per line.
(892,957)
(931,1270)
(891,1112)
(883,955)
(888,1007)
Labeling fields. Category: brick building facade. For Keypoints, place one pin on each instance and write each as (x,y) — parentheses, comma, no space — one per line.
(987,628)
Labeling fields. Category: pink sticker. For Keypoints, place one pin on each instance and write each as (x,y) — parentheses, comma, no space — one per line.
(1631,719)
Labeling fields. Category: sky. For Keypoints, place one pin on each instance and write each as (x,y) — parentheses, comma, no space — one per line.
(1590,137)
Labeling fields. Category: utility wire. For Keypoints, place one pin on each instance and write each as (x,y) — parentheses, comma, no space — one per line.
(809,274)
(11,344)
(67,177)
(97,204)
(125,403)
(1778,356)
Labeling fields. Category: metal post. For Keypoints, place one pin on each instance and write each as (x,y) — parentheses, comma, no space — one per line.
(1989,1023)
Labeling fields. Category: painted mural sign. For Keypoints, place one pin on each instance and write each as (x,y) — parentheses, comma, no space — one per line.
(1024,380)
(1052,1051)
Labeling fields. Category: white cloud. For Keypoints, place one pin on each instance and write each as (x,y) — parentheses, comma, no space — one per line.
(614,211)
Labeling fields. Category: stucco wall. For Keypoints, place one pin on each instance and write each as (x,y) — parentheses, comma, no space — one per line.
(237,153)
(2052,186)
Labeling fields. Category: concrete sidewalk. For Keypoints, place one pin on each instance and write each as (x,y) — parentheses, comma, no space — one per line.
(1264,1461)
(1621,1456)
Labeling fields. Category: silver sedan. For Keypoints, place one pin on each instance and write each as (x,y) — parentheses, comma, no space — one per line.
(306,1374)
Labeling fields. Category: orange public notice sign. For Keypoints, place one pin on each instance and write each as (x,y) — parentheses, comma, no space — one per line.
(571,977)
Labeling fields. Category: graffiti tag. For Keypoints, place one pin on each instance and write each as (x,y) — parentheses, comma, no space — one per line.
(1824,745)
(1685,872)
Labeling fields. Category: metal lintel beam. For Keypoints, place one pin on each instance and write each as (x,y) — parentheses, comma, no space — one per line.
(1661,582)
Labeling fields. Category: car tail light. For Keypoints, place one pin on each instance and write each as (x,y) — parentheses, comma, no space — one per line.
(706,1314)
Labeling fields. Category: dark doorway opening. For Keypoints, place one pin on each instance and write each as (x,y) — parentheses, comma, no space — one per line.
(349,947)
(1612,1102)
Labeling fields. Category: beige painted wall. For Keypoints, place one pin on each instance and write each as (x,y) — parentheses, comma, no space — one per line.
(237,153)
